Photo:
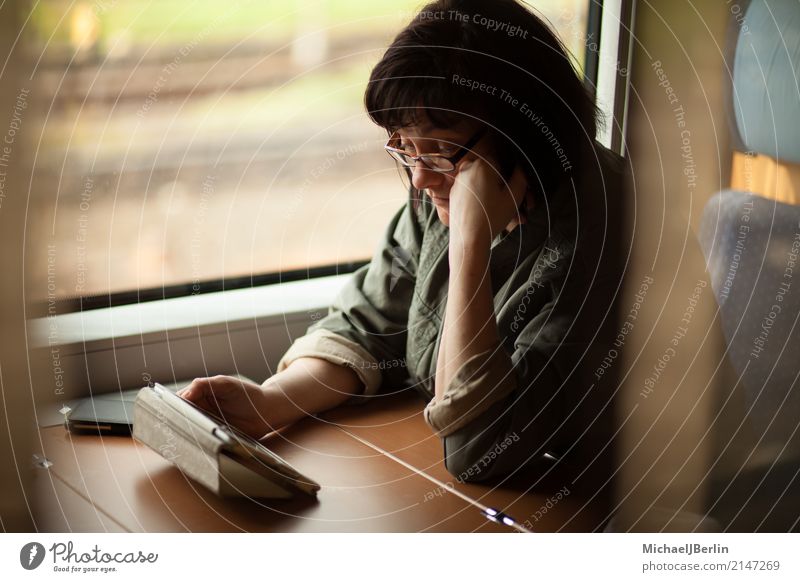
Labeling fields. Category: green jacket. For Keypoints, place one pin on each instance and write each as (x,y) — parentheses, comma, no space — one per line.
(554,280)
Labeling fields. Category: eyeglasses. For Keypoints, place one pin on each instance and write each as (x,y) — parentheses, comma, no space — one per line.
(434,162)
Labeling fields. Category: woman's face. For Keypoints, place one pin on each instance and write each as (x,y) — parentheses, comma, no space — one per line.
(424,138)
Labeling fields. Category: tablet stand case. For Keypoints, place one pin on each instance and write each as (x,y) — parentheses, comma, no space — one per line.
(216,455)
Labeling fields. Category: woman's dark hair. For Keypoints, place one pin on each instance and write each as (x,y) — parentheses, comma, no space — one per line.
(497,63)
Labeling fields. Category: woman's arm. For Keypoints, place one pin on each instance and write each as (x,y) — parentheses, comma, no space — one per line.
(470,327)
(307,386)
(481,206)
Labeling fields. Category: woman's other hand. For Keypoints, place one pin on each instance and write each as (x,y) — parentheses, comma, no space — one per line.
(238,402)
(482,204)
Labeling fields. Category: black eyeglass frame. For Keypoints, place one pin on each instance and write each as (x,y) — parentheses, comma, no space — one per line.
(402,156)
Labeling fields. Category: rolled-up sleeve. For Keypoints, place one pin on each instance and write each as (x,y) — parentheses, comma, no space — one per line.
(521,414)
(337,350)
(503,411)
(366,327)
(481,381)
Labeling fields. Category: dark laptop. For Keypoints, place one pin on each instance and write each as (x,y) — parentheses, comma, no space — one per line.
(112,412)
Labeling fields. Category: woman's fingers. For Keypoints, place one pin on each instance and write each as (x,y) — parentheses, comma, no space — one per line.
(194,390)
(207,392)
(231,400)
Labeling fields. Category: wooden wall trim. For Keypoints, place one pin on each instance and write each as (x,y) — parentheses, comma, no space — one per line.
(766,176)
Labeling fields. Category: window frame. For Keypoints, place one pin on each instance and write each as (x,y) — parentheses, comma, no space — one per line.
(120,298)
(611,67)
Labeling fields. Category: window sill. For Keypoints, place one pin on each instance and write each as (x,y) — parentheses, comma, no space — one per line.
(243,331)
(190,312)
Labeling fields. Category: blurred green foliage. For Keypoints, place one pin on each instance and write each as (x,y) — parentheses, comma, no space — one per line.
(175,21)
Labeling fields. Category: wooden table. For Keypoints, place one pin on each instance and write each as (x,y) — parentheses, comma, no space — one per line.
(380,467)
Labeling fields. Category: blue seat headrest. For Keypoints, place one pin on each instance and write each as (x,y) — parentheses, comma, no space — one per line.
(766,79)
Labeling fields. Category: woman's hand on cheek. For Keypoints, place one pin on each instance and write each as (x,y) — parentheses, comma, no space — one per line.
(482,204)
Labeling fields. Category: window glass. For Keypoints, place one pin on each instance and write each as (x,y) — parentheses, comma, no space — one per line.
(196,140)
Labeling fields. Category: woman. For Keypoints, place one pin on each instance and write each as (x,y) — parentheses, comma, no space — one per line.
(493,286)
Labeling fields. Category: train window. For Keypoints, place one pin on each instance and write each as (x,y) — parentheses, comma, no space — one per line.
(204,141)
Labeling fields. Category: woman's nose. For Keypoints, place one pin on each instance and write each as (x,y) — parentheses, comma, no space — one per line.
(423,177)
